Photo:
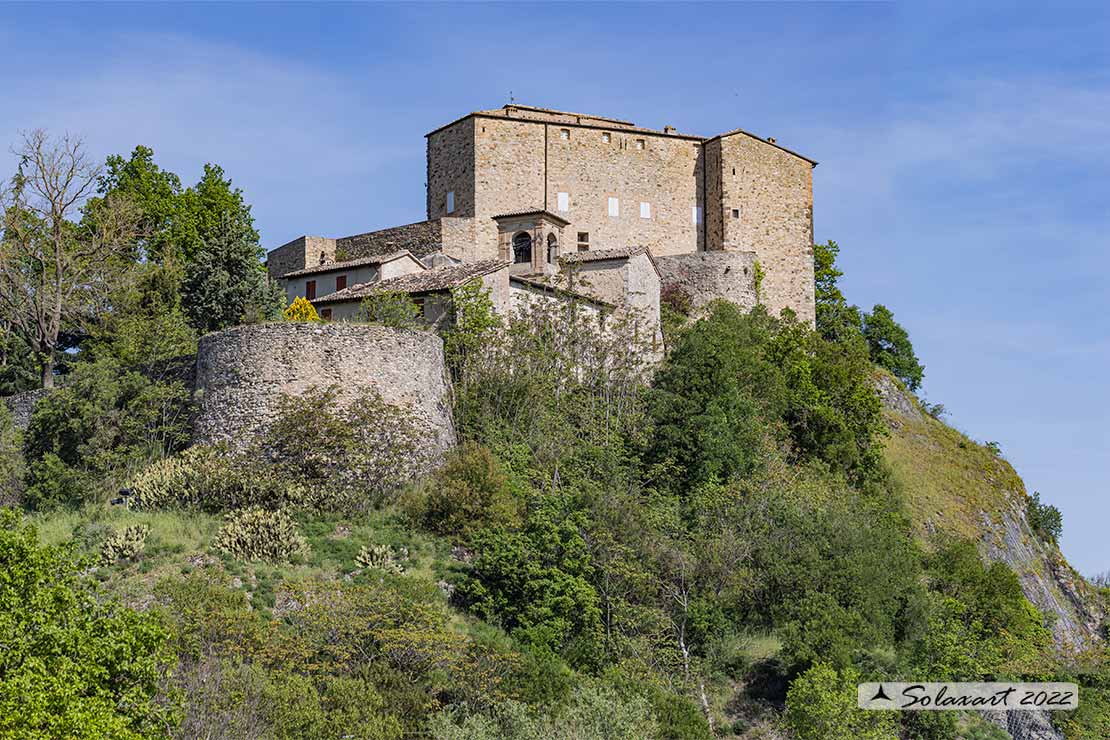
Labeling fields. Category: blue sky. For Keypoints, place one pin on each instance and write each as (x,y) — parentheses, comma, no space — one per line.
(964,149)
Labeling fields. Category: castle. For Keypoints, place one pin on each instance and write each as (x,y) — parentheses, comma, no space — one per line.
(519,196)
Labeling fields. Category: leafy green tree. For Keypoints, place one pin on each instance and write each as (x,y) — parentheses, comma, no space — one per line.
(225,282)
(835,318)
(18,370)
(391,308)
(890,346)
(469,492)
(1045,519)
(821,705)
(73,664)
(474,321)
(155,191)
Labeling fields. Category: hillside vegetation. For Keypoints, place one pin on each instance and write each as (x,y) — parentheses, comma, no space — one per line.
(722,546)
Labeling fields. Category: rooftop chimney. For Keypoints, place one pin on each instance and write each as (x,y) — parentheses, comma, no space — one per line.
(770,139)
(668,129)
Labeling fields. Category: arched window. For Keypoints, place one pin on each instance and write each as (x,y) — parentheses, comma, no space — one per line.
(522,248)
(552,249)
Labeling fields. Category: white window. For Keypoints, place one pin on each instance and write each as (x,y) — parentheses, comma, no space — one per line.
(639,143)
(564,202)
(614,208)
(645,210)
(606,137)
(450,201)
(695,214)
(564,134)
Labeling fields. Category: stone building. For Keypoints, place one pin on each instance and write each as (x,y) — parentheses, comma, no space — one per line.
(534,187)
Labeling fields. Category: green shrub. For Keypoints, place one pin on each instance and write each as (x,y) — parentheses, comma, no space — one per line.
(391,308)
(382,557)
(75,664)
(215,478)
(257,534)
(350,458)
(1045,519)
(11,458)
(125,545)
(890,347)
(821,705)
(468,493)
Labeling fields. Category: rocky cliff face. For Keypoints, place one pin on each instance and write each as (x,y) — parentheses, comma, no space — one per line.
(953,484)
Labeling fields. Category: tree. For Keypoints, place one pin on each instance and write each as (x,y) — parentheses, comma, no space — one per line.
(821,705)
(890,346)
(155,191)
(54,272)
(225,283)
(835,318)
(73,664)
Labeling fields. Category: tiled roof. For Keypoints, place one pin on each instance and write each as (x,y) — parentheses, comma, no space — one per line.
(598,255)
(348,264)
(425,281)
(533,212)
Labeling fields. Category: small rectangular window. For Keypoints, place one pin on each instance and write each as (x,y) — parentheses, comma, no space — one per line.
(564,134)
(564,201)
(736,213)
(645,210)
(584,237)
(695,214)
(450,201)
(639,143)
(614,208)
(606,137)
(310,290)
(325,314)
(341,282)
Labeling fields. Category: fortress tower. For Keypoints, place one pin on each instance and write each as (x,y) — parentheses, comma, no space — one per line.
(619,185)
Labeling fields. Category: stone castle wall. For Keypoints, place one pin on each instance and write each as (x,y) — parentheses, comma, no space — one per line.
(302,252)
(243,373)
(421,238)
(766,206)
(705,276)
(22,405)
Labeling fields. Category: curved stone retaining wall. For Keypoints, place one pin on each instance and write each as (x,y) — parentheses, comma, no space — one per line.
(243,373)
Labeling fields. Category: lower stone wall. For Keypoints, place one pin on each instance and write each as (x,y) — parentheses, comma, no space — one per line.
(21,406)
(706,276)
(243,374)
(421,238)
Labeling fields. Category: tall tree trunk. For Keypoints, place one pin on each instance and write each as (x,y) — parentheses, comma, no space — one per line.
(48,370)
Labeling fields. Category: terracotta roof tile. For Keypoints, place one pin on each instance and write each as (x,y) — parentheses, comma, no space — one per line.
(425,281)
(348,264)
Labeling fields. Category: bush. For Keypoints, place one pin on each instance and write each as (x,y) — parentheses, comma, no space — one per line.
(391,308)
(821,705)
(125,545)
(257,534)
(215,478)
(351,458)
(1045,519)
(300,310)
(382,557)
(890,346)
(75,665)
(468,493)
(11,458)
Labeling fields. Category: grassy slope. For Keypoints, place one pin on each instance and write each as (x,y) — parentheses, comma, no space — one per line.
(952,484)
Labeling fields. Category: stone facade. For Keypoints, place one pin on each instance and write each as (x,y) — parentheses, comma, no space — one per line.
(421,238)
(302,252)
(243,373)
(620,185)
(705,276)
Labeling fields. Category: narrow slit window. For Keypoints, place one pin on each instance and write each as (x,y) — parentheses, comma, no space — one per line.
(450,201)
(695,214)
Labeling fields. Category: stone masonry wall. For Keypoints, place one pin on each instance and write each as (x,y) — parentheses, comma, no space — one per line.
(21,405)
(772,190)
(302,252)
(242,374)
(421,238)
(705,276)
